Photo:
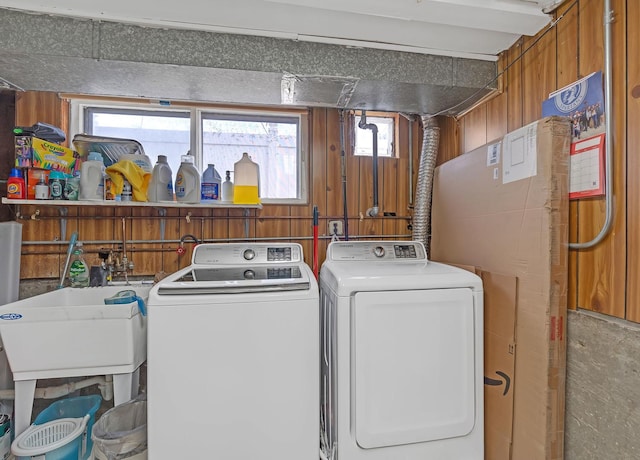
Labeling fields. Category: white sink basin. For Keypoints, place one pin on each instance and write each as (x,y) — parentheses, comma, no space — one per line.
(71,332)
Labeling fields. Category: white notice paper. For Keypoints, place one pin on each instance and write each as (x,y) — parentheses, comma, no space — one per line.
(519,154)
(493,154)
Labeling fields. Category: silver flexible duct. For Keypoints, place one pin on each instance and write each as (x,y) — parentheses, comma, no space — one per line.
(424,188)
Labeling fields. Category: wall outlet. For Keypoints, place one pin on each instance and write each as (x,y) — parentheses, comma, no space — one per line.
(335,227)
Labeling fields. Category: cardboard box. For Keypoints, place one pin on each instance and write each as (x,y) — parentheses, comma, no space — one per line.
(508,214)
(32,152)
(33,177)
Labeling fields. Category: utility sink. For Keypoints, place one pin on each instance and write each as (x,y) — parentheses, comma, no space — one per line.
(71,332)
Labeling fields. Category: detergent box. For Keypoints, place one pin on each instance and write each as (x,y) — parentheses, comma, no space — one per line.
(32,152)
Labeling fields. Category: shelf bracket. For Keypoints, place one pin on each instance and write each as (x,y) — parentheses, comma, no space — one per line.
(64,212)
(246,222)
(162,212)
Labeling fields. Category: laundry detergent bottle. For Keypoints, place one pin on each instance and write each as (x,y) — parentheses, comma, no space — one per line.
(92,178)
(211,185)
(187,181)
(161,187)
(246,174)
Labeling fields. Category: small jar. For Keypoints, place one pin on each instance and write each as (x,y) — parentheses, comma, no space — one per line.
(57,182)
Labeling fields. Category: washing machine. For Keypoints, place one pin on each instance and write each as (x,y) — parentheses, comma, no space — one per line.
(401,355)
(233,346)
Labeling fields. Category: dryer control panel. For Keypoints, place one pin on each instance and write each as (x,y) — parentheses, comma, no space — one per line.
(376,251)
(247,253)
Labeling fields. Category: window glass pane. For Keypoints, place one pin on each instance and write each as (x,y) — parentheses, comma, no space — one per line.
(270,141)
(364,137)
(159,133)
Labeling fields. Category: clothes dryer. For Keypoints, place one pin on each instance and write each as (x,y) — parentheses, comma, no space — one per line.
(401,355)
(233,346)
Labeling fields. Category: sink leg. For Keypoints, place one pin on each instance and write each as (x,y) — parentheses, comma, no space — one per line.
(25,393)
(125,386)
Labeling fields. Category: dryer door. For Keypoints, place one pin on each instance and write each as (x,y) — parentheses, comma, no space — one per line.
(413,355)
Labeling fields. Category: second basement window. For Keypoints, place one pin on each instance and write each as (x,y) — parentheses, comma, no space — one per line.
(386,124)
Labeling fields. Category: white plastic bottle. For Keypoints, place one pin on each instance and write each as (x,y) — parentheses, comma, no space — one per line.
(78,271)
(227,189)
(187,181)
(246,174)
(210,187)
(92,178)
(161,186)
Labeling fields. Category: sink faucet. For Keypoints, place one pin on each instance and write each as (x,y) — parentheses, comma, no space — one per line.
(114,263)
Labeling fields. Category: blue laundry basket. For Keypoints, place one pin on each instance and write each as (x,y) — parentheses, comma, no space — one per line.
(75,407)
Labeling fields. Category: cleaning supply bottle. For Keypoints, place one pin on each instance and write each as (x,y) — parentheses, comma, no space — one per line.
(16,188)
(57,182)
(42,189)
(187,181)
(78,271)
(210,187)
(92,178)
(227,189)
(246,188)
(161,186)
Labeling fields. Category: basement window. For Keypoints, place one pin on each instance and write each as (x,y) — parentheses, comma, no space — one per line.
(387,134)
(274,140)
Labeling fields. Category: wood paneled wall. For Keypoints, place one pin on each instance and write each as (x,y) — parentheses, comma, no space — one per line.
(603,278)
(141,226)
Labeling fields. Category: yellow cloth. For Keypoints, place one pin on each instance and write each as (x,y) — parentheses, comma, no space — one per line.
(137,177)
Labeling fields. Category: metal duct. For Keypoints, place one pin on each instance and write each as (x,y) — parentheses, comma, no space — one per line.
(424,187)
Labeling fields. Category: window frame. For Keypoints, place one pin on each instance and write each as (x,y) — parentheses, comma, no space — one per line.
(395,117)
(80,107)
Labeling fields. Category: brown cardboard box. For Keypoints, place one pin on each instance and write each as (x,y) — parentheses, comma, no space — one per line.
(508,214)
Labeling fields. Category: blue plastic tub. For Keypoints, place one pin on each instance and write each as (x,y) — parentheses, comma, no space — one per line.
(75,407)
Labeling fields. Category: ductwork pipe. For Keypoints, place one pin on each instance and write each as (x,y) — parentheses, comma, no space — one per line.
(424,188)
(372,211)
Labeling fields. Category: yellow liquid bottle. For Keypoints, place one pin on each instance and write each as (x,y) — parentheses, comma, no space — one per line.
(246,175)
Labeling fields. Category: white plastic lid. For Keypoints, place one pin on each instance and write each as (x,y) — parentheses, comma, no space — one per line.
(186,159)
(162,158)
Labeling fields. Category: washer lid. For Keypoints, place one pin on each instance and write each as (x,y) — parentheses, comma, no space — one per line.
(236,280)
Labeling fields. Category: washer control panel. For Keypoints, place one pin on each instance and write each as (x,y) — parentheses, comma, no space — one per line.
(376,250)
(247,253)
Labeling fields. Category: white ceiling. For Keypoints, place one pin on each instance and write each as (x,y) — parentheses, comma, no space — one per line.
(478,29)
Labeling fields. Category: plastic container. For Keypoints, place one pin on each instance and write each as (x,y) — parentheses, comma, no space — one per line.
(42,188)
(71,188)
(210,187)
(187,181)
(121,432)
(78,271)
(161,186)
(75,407)
(247,175)
(57,182)
(56,440)
(16,188)
(141,160)
(227,188)
(92,178)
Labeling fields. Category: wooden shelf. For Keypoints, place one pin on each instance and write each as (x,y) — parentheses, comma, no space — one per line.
(130,204)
